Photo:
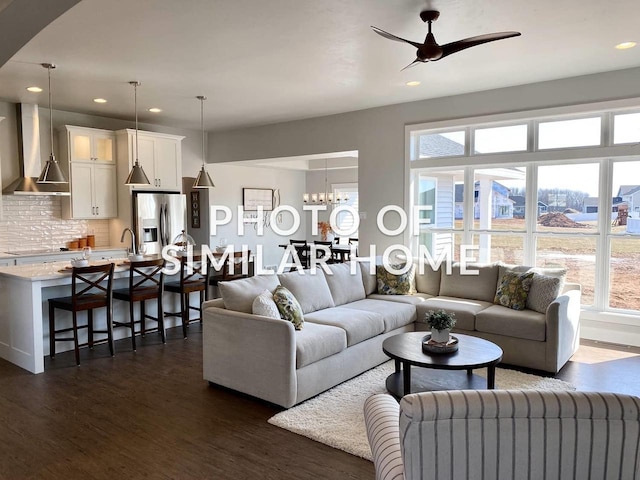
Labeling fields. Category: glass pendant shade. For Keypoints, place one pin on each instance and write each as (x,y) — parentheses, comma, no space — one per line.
(203,180)
(136,175)
(51,172)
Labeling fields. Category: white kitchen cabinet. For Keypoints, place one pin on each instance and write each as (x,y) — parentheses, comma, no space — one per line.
(159,154)
(90,154)
(93,188)
(90,144)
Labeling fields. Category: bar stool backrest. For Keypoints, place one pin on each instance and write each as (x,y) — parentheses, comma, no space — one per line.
(86,281)
(146,274)
(192,270)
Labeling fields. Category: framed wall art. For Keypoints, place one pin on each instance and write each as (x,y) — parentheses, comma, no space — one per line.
(254,197)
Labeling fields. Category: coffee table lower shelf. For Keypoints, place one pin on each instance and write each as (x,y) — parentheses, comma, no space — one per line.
(431,380)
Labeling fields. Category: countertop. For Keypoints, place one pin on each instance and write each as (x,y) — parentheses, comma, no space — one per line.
(53,270)
(18,253)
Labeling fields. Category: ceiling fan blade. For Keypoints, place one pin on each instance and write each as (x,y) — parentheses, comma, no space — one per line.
(455,47)
(414,63)
(393,37)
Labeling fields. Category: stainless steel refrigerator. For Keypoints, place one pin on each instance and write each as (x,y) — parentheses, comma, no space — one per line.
(158,218)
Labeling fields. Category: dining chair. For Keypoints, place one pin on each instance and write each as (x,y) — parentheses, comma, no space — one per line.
(192,280)
(302,249)
(146,282)
(88,292)
(332,257)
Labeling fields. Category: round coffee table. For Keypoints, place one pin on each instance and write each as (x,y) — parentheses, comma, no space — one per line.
(443,368)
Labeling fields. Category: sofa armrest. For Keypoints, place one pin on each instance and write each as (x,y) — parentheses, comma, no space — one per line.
(249,353)
(563,327)
(381,418)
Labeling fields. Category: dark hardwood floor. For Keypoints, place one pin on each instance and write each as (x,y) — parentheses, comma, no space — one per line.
(149,414)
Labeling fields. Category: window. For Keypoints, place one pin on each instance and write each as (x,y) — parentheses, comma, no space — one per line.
(500,139)
(448,144)
(345,219)
(626,128)
(569,133)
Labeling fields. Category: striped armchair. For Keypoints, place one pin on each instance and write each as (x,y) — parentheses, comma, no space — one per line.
(502,434)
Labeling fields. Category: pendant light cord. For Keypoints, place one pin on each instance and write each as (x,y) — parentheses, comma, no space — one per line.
(202,99)
(49,67)
(135,106)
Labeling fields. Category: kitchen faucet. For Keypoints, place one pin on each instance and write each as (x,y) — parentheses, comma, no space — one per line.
(133,239)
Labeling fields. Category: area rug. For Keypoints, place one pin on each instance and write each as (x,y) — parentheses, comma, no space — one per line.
(335,417)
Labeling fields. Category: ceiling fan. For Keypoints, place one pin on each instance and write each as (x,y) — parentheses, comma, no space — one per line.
(430,51)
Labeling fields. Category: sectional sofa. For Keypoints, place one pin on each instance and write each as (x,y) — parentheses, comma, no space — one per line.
(346,321)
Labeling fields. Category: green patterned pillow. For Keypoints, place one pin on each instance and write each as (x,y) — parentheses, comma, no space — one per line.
(513,290)
(288,307)
(392,284)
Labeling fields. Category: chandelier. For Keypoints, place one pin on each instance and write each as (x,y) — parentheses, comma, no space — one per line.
(326,197)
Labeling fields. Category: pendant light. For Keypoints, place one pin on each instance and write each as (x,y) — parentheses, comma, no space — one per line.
(136,175)
(203,180)
(51,172)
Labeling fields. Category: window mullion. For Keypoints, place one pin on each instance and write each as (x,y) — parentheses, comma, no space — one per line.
(531,214)
(603,245)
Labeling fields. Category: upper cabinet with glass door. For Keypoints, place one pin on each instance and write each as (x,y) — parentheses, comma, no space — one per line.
(90,144)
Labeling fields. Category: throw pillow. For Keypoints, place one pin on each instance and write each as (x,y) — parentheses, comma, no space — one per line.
(288,307)
(391,284)
(265,305)
(544,290)
(513,290)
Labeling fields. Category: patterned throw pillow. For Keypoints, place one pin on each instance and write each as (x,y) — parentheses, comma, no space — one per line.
(289,307)
(544,290)
(264,305)
(392,284)
(513,290)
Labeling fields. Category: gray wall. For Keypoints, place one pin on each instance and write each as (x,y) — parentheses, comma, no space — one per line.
(378,133)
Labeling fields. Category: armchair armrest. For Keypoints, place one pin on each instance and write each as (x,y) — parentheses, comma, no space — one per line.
(381,418)
(249,353)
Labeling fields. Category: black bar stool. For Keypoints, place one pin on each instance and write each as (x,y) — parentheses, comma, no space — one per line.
(232,269)
(146,282)
(192,279)
(87,293)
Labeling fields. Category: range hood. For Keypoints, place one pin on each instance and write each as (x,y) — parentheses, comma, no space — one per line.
(29,157)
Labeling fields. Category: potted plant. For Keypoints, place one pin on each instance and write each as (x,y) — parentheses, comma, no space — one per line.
(441,323)
(325,231)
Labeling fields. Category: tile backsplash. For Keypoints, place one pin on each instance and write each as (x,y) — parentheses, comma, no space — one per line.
(33,222)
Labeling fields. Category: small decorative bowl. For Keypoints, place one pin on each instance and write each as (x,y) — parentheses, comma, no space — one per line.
(79,262)
(429,346)
(135,257)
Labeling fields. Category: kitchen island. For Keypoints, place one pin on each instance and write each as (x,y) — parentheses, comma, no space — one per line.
(24,313)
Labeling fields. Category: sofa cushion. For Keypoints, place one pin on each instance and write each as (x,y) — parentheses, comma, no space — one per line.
(513,290)
(317,341)
(465,309)
(368,271)
(345,286)
(390,283)
(359,325)
(264,305)
(476,287)
(395,314)
(410,299)
(501,320)
(427,279)
(311,290)
(288,306)
(238,295)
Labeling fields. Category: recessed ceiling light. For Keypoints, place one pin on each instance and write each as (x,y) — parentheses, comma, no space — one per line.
(413,83)
(34,89)
(625,45)
(99,100)
(155,110)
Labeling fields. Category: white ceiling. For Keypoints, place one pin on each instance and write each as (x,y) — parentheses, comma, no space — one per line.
(270,61)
